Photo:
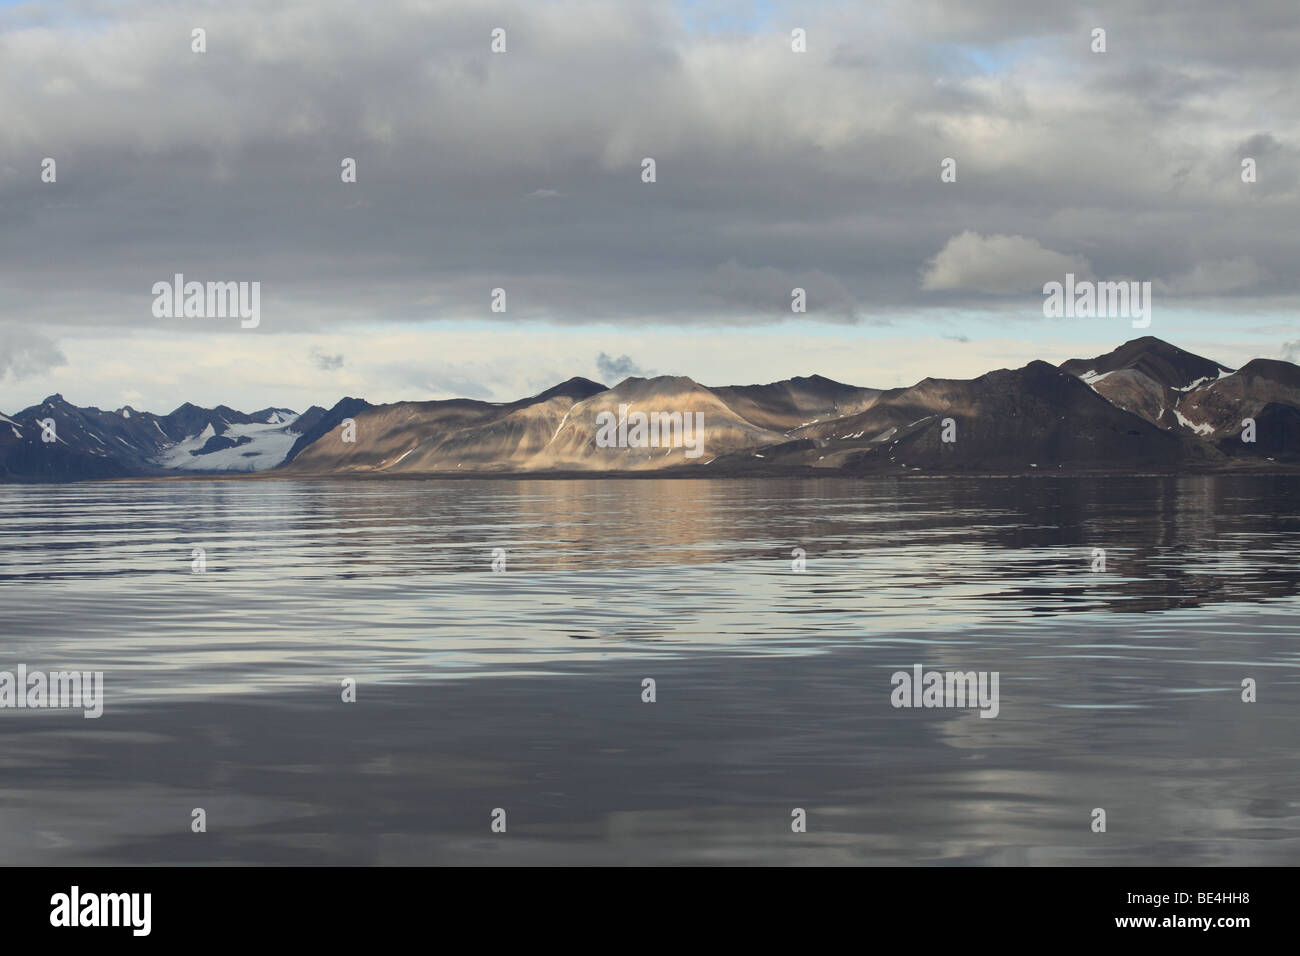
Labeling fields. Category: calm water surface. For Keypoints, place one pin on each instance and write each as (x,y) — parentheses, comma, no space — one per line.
(522,689)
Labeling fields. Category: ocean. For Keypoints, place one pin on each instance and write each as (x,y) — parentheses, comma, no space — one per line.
(455,671)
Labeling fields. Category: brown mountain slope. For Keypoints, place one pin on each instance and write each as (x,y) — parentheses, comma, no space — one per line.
(503,444)
(408,437)
(723,430)
(385,433)
(789,404)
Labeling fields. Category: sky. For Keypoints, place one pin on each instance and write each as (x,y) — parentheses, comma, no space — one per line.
(523,170)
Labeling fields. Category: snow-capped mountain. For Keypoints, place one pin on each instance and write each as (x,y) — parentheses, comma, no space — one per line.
(93,443)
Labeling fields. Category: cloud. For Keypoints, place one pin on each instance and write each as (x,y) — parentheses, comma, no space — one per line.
(422,379)
(997,265)
(613,370)
(1214,278)
(1291,351)
(818,170)
(767,290)
(25,352)
(451,385)
(1258,145)
(326,363)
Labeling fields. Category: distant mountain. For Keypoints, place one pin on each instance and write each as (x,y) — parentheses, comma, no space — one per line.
(1146,406)
(575,444)
(1216,409)
(1194,396)
(1147,377)
(92,443)
(448,435)
(1277,435)
(1158,360)
(1032,419)
(782,406)
(316,422)
(1011,420)
(24,457)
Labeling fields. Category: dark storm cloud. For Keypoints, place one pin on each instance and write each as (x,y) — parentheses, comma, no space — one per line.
(522,170)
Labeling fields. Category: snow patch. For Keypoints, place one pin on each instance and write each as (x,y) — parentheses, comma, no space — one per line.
(1223,373)
(1199,429)
(404,454)
(557,430)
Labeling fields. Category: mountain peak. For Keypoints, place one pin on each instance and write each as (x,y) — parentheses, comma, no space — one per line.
(1164,364)
(659,382)
(576,388)
(579,380)
(1276,370)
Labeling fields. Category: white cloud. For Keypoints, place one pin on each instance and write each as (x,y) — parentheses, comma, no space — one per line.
(997,265)
(25,352)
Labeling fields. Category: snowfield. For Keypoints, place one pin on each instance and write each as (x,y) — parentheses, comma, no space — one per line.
(267,446)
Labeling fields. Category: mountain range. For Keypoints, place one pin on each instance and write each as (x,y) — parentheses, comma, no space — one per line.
(1147,406)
